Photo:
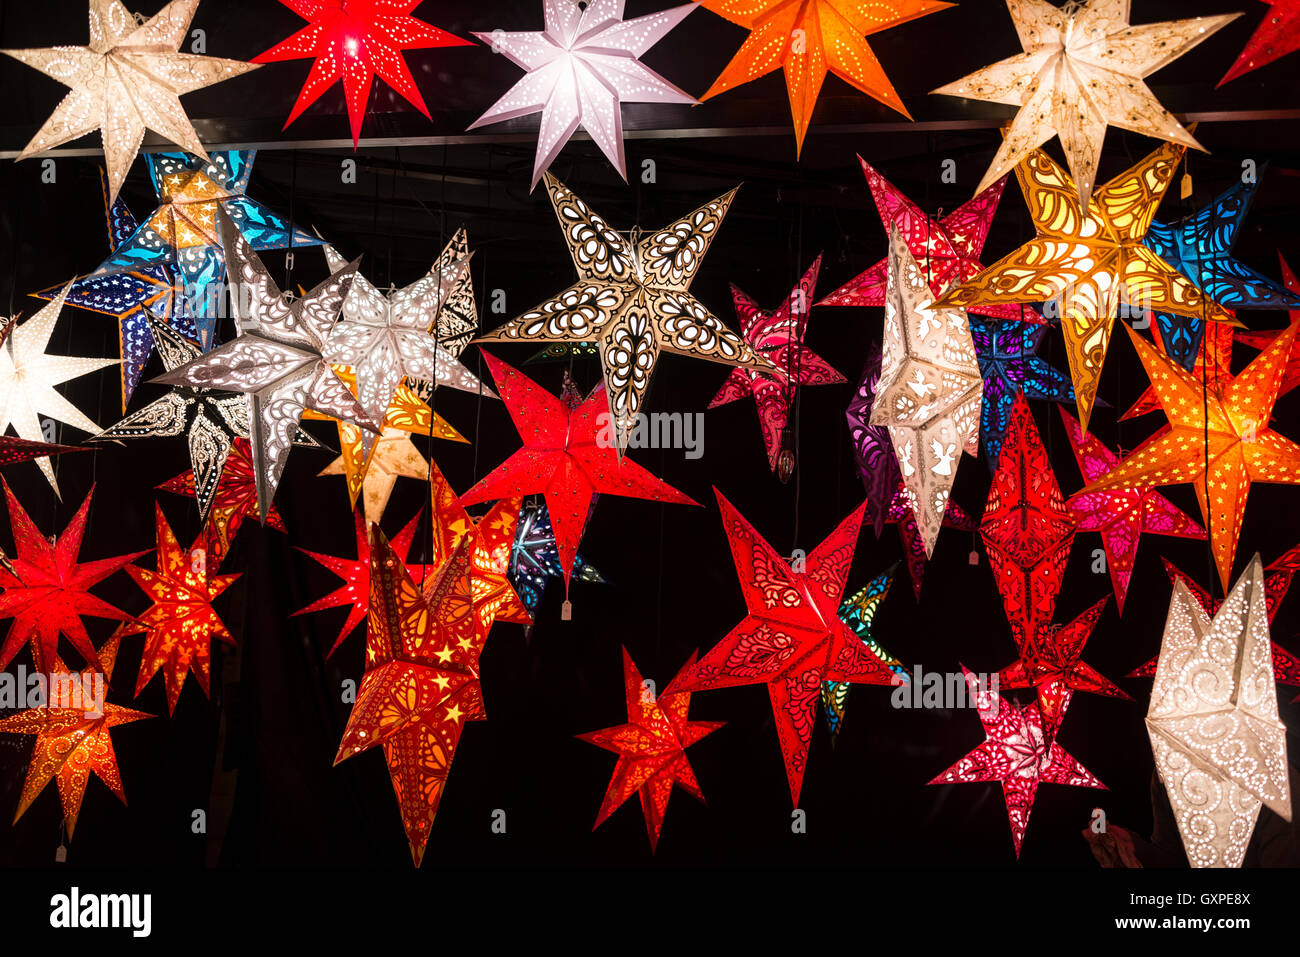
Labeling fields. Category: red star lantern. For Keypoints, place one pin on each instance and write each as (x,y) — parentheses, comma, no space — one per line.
(355,41)
(793,638)
(46,590)
(1277,35)
(14,450)
(651,748)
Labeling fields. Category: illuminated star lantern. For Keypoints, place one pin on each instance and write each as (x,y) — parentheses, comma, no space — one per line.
(858,611)
(806,40)
(793,639)
(421,683)
(180,625)
(947,250)
(1090,262)
(778,335)
(1277,35)
(182,232)
(535,557)
(1121,515)
(568,457)
(13,450)
(130,297)
(580,70)
(458,318)
(902,514)
(1020,752)
(354,593)
(1220,453)
(276,360)
(1082,70)
(392,456)
(46,590)
(28,376)
(930,389)
(1219,747)
(633,298)
(651,748)
(355,41)
(128,80)
(72,742)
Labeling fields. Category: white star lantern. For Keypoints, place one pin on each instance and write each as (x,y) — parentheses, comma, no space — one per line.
(581,68)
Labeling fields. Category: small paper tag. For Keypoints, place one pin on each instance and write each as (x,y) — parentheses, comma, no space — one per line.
(566,611)
(61,855)
(1185,190)
(974,557)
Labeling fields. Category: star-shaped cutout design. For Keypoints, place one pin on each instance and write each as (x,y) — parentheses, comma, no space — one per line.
(1277,35)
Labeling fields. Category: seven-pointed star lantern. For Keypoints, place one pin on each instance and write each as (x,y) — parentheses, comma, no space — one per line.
(1277,35)
(1082,70)
(808,38)
(1091,261)
(1219,747)
(632,297)
(651,748)
(393,456)
(930,389)
(1220,454)
(580,70)
(128,79)
(355,41)
(793,638)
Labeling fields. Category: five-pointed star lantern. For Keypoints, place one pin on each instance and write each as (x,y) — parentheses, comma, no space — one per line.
(1121,515)
(858,611)
(1218,439)
(930,389)
(393,456)
(793,639)
(127,80)
(947,250)
(809,38)
(1219,747)
(633,297)
(276,360)
(73,735)
(46,590)
(28,375)
(180,626)
(421,682)
(182,232)
(131,297)
(1277,35)
(1082,70)
(568,456)
(651,748)
(355,41)
(1020,752)
(535,557)
(1090,262)
(777,335)
(580,70)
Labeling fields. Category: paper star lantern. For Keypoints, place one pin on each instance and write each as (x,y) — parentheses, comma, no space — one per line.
(535,557)
(1020,752)
(858,611)
(651,748)
(354,593)
(579,71)
(793,639)
(393,456)
(1009,362)
(180,624)
(130,297)
(13,451)
(458,318)
(1219,747)
(564,351)
(421,682)
(356,41)
(779,336)
(46,590)
(902,513)
(563,459)
(806,40)
(127,80)
(634,299)
(71,744)
(947,250)
(1082,70)
(276,360)
(28,376)
(1220,453)
(1090,261)
(930,389)
(1277,35)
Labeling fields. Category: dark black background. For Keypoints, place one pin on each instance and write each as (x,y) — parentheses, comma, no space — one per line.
(673,586)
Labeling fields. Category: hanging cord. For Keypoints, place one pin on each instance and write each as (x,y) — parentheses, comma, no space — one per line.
(293,196)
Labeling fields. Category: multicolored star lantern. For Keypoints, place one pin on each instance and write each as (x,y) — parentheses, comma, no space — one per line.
(1277,35)
(355,41)
(535,557)
(393,456)
(858,611)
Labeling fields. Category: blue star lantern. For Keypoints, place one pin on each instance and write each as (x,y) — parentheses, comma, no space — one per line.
(534,558)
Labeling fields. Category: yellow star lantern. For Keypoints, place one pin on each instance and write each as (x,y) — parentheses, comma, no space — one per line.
(392,456)
(1218,439)
(1090,262)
